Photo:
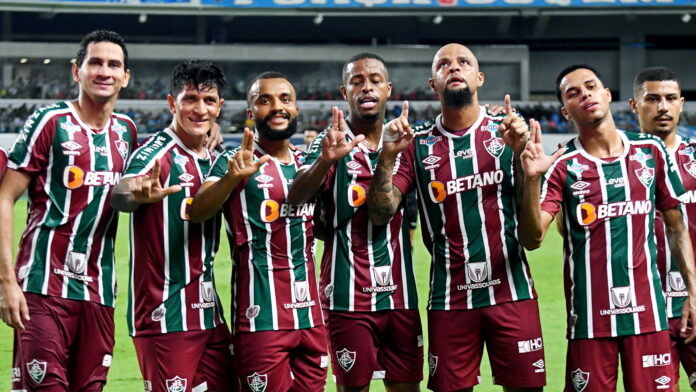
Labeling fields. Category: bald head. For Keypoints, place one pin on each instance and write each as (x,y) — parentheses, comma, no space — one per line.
(451,52)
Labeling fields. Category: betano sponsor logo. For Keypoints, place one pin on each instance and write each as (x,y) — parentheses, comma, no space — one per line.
(588,213)
(357,195)
(439,191)
(74,177)
(185,207)
(271,210)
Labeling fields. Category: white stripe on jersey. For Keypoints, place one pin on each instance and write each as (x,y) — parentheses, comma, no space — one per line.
(269,257)
(629,250)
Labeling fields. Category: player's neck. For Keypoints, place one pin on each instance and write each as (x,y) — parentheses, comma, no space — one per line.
(192,142)
(460,118)
(372,129)
(601,140)
(94,114)
(278,149)
(670,140)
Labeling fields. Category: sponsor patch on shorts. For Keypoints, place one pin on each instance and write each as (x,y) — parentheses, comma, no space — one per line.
(324,361)
(107,360)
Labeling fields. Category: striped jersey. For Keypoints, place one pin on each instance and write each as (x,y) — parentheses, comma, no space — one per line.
(274,280)
(465,183)
(67,249)
(3,161)
(171,286)
(612,285)
(673,285)
(365,267)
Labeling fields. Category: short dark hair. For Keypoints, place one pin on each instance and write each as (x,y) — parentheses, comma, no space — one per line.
(101,36)
(199,74)
(568,70)
(363,56)
(264,75)
(654,74)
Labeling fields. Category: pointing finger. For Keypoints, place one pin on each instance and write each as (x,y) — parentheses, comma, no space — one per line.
(404,110)
(248,140)
(507,104)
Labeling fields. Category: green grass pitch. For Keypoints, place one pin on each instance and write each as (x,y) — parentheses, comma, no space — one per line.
(546,265)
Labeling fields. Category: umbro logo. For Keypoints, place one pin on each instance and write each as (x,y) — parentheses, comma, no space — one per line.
(69,147)
(264,181)
(431,162)
(185,179)
(539,365)
(580,185)
(353,165)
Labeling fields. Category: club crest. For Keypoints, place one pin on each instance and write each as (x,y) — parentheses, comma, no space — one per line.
(621,296)
(579,379)
(432,363)
(676,282)
(646,176)
(257,382)
(691,168)
(176,384)
(346,359)
(301,289)
(477,272)
(122,146)
(37,370)
(494,146)
(253,311)
(158,314)
(382,275)
(77,263)
(207,291)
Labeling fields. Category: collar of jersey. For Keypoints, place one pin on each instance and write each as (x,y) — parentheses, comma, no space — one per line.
(599,161)
(473,128)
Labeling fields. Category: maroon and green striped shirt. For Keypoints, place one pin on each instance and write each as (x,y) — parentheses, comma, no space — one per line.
(171,286)
(67,249)
(612,284)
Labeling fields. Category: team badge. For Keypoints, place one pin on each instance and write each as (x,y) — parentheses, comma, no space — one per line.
(37,370)
(257,382)
(70,147)
(494,146)
(207,291)
(621,296)
(346,359)
(176,384)
(77,263)
(676,281)
(646,176)
(122,146)
(328,291)
(663,382)
(432,363)
(158,314)
(382,274)
(253,311)
(579,379)
(301,289)
(691,168)
(477,272)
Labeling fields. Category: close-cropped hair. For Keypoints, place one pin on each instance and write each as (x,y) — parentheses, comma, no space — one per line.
(654,74)
(199,74)
(568,70)
(363,56)
(264,75)
(101,36)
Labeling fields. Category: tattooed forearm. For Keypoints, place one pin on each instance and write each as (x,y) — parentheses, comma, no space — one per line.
(383,198)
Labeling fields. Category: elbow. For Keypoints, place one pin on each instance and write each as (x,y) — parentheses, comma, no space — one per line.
(530,242)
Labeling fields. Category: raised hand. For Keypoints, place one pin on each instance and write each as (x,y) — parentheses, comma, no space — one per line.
(242,164)
(335,146)
(513,129)
(534,160)
(397,133)
(147,189)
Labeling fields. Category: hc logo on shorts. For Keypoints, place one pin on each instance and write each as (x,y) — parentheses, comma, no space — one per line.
(346,359)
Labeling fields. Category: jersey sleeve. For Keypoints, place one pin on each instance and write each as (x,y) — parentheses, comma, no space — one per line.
(552,188)
(219,167)
(668,184)
(31,150)
(404,173)
(3,162)
(143,158)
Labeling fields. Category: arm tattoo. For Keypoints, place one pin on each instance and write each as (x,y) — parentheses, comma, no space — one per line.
(383,198)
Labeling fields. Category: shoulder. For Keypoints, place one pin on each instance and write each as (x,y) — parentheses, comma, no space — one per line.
(124,118)
(153,146)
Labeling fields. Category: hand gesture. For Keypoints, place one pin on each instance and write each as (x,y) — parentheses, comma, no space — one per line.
(147,189)
(214,137)
(13,305)
(688,320)
(397,133)
(335,146)
(513,129)
(534,160)
(242,164)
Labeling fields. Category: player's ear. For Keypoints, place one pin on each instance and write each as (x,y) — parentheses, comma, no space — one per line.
(343,92)
(632,105)
(75,72)
(564,112)
(171,101)
(431,83)
(389,89)
(250,114)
